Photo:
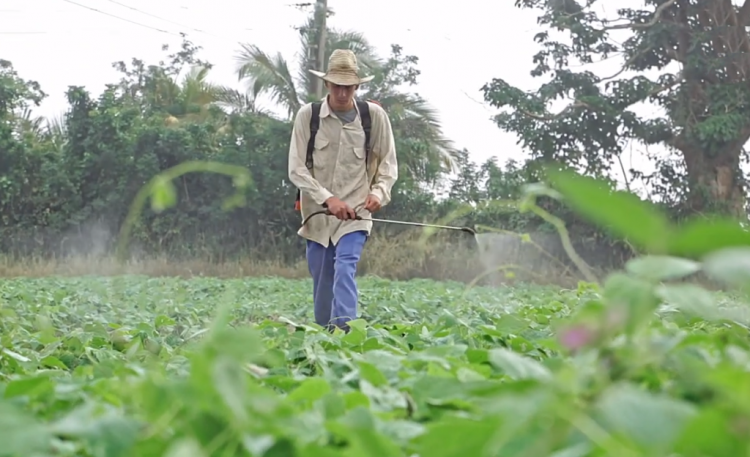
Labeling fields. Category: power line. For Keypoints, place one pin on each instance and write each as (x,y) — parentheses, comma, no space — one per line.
(53,32)
(120,18)
(81,30)
(160,18)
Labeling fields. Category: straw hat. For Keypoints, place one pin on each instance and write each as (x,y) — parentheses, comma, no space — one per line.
(342,69)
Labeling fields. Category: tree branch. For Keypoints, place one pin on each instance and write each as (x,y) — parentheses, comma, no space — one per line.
(628,62)
(657,15)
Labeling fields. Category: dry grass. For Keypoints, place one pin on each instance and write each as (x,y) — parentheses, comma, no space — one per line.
(157,266)
(398,258)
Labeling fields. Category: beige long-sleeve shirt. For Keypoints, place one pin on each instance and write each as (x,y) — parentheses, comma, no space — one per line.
(339,169)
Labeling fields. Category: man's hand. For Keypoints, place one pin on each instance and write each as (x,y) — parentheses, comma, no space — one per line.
(340,209)
(372,203)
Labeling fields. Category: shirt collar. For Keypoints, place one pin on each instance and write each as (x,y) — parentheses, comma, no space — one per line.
(325,109)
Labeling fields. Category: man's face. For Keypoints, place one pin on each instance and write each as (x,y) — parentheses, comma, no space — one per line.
(340,96)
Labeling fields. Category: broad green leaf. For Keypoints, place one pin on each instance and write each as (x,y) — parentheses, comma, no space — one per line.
(654,422)
(310,390)
(459,437)
(691,299)
(702,236)
(356,399)
(518,366)
(576,450)
(438,390)
(662,268)
(14,355)
(258,444)
(731,381)
(109,434)
(281,448)
(29,386)
(316,450)
(242,344)
(529,193)
(710,433)
(20,434)
(163,321)
(730,265)
(53,362)
(186,447)
(163,195)
(634,297)
(370,373)
(622,213)
(359,428)
(333,405)
(384,398)
(230,383)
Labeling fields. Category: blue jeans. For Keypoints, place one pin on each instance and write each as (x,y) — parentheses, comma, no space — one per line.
(334,288)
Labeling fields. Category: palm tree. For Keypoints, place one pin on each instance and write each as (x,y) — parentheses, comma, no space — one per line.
(39,129)
(236,101)
(191,98)
(411,116)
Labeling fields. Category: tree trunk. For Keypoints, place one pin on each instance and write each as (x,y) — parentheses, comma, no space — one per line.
(716,184)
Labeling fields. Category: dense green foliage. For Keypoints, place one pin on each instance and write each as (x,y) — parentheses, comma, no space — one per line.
(206,367)
(684,61)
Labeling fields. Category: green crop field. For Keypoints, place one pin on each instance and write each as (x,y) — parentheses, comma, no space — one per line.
(135,366)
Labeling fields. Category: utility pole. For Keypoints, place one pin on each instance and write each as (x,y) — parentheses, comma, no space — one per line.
(321,15)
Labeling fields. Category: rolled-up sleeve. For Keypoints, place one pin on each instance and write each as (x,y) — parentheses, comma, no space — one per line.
(384,147)
(299,175)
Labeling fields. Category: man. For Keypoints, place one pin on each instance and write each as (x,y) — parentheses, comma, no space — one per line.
(341,182)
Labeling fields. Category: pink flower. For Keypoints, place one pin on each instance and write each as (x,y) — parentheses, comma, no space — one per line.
(576,337)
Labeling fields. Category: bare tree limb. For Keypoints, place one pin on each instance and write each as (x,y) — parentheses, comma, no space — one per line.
(628,62)
(657,15)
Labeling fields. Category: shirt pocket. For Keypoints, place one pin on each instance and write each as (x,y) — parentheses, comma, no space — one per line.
(321,142)
(354,162)
(321,153)
(353,153)
(359,154)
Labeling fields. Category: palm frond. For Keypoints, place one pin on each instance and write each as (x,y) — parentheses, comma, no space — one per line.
(236,101)
(55,132)
(367,57)
(56,125)
(268,74)
(412,117)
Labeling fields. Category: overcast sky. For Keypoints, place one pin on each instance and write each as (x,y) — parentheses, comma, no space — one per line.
(461,46)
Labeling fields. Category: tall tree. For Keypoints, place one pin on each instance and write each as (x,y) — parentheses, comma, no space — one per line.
(700,51)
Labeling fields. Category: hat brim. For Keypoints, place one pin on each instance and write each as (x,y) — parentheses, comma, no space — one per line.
(342,79)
